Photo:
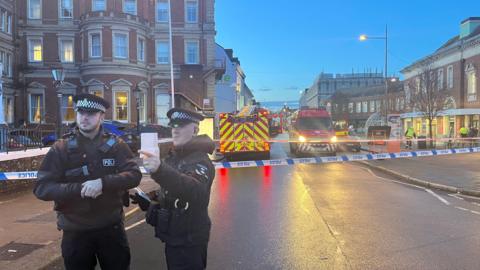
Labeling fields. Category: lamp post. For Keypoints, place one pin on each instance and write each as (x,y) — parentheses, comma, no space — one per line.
(170,36)
(385,37)
(58,75)
(138,92)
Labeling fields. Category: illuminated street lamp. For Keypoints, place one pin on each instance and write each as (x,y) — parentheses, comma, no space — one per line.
(364,37)
(58,75)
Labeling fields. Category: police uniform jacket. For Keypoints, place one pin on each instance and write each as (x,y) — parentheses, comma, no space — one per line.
(185,177)
(76,159)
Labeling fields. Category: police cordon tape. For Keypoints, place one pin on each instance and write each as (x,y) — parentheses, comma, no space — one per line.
(293,161)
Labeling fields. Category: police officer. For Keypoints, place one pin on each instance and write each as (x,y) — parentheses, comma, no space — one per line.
(86,174)
(180,214)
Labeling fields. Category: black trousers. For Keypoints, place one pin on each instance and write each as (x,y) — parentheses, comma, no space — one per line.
(186,258)
(80,250)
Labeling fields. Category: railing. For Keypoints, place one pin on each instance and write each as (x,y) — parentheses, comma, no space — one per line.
(17,139)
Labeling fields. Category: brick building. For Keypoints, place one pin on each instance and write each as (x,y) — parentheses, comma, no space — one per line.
(456,66)
(118,49)
(8,49)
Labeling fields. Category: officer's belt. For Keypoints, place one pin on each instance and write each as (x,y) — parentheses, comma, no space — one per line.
(78,171)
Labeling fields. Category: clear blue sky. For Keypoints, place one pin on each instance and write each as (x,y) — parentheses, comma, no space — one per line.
(282,45)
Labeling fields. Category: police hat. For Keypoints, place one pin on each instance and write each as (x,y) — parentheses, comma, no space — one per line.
(180,117)
(90,103)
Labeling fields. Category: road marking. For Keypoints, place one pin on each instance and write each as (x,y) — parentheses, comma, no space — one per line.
(391,180)
(461,208)
(131,211)
(135,224)
(437,196)
(456,196)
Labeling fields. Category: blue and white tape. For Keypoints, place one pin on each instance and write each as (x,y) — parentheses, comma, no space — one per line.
(293,161)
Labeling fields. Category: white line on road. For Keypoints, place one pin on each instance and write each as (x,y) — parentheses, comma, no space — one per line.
(456,196)
(135,224)
(437,196)
(461,208)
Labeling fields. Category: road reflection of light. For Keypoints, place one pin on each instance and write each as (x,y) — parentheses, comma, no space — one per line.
(267,179)
(223,186)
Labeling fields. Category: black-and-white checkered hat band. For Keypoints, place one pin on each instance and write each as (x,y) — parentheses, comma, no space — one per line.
(89,104)
(181,116)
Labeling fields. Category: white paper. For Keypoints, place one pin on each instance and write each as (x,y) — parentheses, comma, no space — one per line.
(149,143)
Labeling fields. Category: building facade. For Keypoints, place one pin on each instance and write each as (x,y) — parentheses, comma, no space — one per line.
(356,105)
(456,67)
(326,84)
(118,49)
(8,53)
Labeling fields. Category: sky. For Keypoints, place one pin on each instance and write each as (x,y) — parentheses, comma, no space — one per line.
(283,45)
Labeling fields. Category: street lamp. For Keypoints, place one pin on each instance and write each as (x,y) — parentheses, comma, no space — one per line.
(138,92)
(58,75)
(385,37)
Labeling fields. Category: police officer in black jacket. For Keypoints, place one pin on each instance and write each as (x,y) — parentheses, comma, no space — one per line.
(180,213)
(87,174)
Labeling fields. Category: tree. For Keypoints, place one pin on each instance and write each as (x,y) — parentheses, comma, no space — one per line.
(426,94)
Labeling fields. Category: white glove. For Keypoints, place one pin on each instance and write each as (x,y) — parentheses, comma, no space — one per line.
(151,162)
(92,188)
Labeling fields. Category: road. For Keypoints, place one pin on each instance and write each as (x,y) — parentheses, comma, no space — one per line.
(326,216)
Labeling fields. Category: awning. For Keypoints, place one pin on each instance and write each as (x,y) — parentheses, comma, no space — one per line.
(449,112)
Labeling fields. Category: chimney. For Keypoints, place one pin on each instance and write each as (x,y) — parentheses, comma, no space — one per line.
(468,26)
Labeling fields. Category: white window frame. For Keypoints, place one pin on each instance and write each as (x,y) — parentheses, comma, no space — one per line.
(7,64)
(30,52)
(350,107)
(90,44)
(372,106)
(42,110)
(64,94)
(125,11)
(471,73)
(364,107)
(440,79)
(450,77)
(60,11)
(139,52)
(104,5)
(186,52)
(9,23)
(157,18)
(29,14)
(156,51)
(61,51)
(359,107)
(114,102)
(186,11)
(8,111)
(143,109)
(114,49)
(2,21)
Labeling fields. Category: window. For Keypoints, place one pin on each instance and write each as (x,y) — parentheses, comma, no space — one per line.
(66,51)
(163,52)
(95,45)
(98,93)
(8,109)
(35,50)
(121,105)
(350,107)
(98,5)
(68,114)
(162,105)
(2,21)
(9,24)
(141,50)
(34,9)
(36,108)
(162,11)
(120,45)
(440,79)
(130,6)
(7,64)
(471,83)
(191,52)
(66,9)
(359,107)
(450,77)
(192,11)
(141,106)
(372,105)
(364,107)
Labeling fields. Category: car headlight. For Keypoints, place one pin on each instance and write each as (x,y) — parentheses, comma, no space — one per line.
(333,139)
(302,139)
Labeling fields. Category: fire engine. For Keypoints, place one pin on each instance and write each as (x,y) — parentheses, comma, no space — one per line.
(312,133)
(246,132)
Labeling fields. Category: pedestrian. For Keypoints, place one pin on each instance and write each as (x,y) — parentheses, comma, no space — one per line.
(463,135)
(179,212)
(472,134)
(87,174)
(409,135)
